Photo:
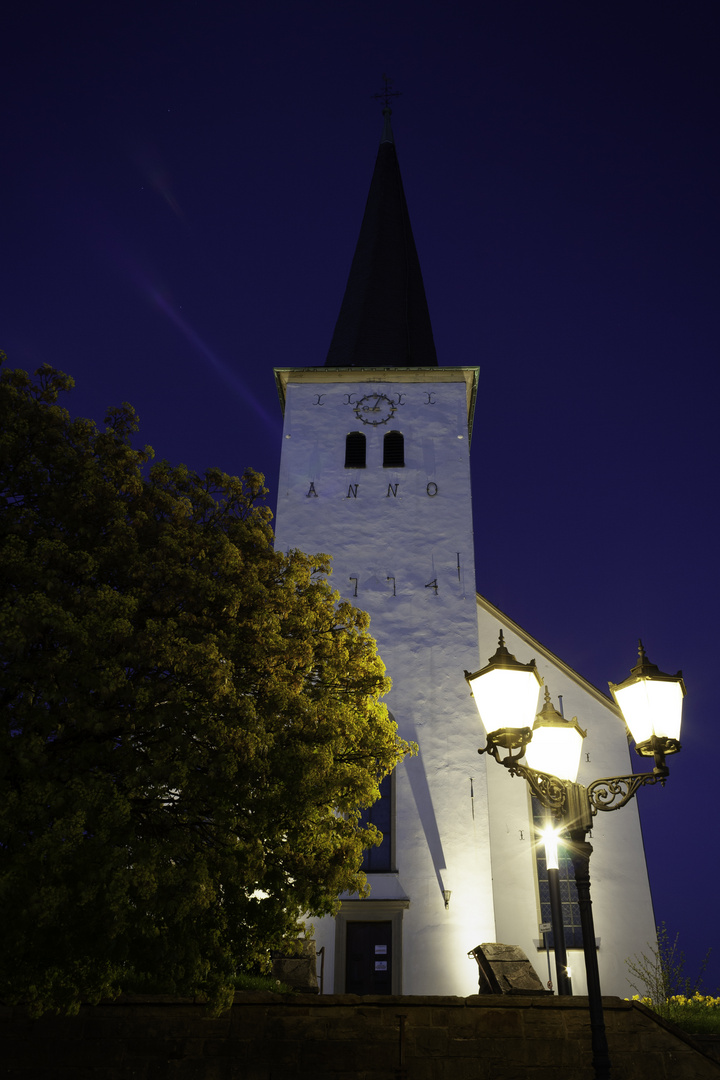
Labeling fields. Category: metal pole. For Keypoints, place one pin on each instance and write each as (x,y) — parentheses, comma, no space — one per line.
(552,864)
(563,982)
(580,852)
(545,929)
(401,1071)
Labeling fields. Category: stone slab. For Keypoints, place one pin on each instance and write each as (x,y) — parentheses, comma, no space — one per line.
(505,969)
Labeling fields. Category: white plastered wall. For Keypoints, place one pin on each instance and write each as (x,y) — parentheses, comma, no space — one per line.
(396,541)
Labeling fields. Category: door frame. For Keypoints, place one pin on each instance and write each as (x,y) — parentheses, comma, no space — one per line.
(369,911)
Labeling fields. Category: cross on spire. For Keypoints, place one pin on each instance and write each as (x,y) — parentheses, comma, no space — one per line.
(385,94)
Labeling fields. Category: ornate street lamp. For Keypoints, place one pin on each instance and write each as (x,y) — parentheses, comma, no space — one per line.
(505,693)
(651,705)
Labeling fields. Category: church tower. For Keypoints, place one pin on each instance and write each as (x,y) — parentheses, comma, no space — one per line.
(375,471)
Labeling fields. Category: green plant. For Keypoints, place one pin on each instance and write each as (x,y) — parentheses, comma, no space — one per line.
(250,983)
(660,975)
(698,1015)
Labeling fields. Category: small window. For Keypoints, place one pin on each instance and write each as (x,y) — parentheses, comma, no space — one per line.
(355,450)
(393,450)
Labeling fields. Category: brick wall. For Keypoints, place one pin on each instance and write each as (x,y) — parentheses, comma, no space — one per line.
(271,1037)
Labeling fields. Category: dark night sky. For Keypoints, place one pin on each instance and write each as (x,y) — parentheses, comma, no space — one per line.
(181,190)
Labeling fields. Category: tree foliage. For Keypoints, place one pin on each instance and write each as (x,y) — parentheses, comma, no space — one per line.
(191,719)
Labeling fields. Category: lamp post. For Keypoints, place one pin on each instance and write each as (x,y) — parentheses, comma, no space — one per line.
(550,839)
(650,702)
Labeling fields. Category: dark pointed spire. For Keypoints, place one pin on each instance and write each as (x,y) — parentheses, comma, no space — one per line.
(384,319)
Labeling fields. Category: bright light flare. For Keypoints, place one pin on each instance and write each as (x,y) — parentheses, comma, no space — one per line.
(549,836)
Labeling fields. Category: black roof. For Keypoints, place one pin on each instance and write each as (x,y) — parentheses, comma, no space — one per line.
(384,319)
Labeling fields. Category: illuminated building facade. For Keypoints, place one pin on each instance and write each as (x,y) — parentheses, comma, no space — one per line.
(375,470)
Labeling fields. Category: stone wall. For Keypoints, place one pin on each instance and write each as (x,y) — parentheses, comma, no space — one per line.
(272,1037)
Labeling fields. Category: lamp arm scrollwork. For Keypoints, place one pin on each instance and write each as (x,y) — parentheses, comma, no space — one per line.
(567,800)
(549,790)
(612,792)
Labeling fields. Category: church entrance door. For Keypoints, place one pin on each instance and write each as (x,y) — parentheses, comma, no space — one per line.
(368,958)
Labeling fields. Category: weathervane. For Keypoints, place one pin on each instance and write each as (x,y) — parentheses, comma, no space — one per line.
(387,93)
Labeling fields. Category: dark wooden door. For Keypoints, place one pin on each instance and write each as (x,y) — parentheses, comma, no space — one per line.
(368,958)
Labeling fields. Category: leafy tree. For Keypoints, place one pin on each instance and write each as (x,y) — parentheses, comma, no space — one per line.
(191,719)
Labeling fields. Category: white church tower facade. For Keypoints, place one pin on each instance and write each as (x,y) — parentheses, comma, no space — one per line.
(375,471)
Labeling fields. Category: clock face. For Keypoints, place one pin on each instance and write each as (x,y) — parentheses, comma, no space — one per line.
(375,409)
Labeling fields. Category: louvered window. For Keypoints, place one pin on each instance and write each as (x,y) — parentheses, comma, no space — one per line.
(355,450)
(393,450)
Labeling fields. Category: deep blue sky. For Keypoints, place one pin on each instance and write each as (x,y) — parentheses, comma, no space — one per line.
(181,191)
